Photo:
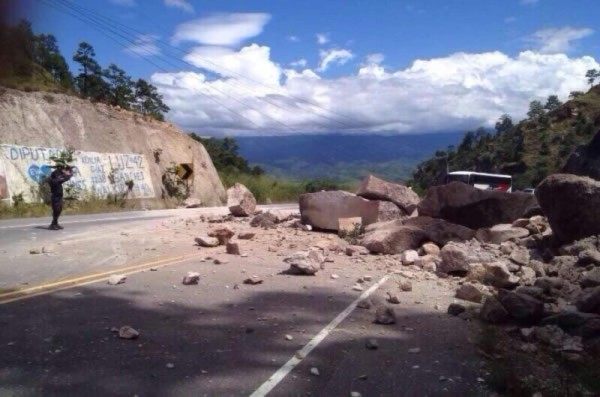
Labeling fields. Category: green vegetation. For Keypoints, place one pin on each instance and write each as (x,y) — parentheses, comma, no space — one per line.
(233,168)
(34,63)
(529,150)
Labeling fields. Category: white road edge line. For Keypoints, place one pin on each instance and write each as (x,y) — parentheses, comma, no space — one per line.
(143,214)
(80,221)
(282,372)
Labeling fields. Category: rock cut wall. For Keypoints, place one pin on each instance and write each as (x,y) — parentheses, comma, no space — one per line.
(45,120)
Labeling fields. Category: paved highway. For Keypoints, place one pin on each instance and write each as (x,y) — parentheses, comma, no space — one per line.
(288,336)
(95,243)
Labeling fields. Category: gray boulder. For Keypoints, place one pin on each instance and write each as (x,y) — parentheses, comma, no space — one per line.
(497,274)
(374,188)
(460,257)
(305,262)
(409,234)
(493,312)
(240,200)
(589,300)
(521,307)
(323,209)
(585,160)
(571,205)
(465,205)
(591,278)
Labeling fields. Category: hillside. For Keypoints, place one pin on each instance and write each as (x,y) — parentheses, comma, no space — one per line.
(529,150)
(342,157)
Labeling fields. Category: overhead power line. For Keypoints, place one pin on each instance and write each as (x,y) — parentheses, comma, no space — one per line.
(109,23)
(103,29)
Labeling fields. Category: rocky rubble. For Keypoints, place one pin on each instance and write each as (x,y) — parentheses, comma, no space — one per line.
(513,266)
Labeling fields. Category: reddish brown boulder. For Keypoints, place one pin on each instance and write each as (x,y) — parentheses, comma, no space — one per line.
(377,189)
(571,205)
(323,210)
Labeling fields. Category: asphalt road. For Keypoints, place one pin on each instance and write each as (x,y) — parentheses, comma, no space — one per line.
(94,243)
(220,337)
(225,338)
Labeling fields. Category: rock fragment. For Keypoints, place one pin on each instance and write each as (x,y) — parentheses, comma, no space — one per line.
(128,332)
(205,241)
(232,248)
(191,278)
(117,279)
(305,262)
(385,315)
(254,280)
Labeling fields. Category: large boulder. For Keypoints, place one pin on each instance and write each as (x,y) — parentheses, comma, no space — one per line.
(465,205)
(589,301)
(585,160)
(323,210)
(378,189)
(523,308)
(571,205)
(240,200)
(461,258)
(398,236)
(440,231)
(393,238)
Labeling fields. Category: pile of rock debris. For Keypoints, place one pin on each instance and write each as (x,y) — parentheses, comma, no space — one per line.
(531,261)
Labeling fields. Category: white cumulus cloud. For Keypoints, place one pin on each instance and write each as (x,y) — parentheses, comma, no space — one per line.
(181,4)
(299,63)
(333,56)
(249,63)
(222,29)
(376,58)
(453,93)
(322,38)
(144,45)
(558,40)
(293,39)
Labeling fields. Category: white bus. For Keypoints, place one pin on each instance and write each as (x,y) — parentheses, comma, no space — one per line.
(482,180)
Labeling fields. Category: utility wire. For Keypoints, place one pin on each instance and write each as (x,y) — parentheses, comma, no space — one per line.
(101,29)
(124,27)
(166,60)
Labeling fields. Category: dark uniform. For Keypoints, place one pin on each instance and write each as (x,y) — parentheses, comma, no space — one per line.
(57,178)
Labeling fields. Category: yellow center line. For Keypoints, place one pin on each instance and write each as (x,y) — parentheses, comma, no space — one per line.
(46,288)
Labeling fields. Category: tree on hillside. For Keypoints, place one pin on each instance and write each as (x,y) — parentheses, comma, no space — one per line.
(149,101)
(225,156)
(575,94)
(536,110)
(552,103)
(48,56)
(17,48)
(89,81)
(592,75)
(120,87)
(504,124)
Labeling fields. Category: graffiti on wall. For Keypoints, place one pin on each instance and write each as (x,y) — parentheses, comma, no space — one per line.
(98,174)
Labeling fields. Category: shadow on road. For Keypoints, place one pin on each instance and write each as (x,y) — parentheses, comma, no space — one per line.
(62,345)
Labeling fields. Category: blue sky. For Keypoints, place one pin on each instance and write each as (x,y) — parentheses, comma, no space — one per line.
(279,66)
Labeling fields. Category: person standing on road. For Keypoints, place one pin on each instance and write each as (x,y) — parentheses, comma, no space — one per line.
(57,178)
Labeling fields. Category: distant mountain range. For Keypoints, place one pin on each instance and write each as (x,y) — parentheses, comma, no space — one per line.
(343,157)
